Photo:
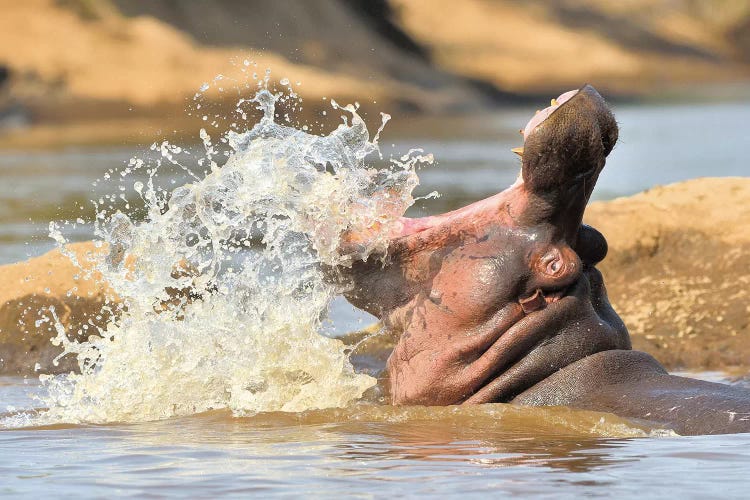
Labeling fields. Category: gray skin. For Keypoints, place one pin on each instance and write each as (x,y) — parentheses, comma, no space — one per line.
(500,301)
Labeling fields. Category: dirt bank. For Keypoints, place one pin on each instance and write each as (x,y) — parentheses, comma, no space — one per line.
(128,61)
(628,47)
(71,61)
(36,291)
(677,272)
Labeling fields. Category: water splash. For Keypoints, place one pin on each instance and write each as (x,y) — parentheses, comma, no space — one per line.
(222,287)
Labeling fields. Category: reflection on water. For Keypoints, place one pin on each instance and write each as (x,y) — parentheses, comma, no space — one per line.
(38,187)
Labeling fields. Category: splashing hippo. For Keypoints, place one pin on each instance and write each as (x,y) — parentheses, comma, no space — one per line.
(500,301)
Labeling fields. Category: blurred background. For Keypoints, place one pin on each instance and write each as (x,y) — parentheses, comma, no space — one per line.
(85,85)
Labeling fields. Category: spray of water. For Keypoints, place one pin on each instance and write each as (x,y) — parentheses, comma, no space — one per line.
(221,284)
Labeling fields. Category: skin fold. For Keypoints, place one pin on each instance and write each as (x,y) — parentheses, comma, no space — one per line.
(500,301)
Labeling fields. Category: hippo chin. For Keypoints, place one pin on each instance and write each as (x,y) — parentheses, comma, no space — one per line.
(500,301)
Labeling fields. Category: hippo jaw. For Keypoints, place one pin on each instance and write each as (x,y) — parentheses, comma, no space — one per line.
(504,286)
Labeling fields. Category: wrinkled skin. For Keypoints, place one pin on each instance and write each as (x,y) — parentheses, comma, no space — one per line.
(500,301)
(464,288)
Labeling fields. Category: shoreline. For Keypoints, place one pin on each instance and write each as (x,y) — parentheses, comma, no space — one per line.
(677,271)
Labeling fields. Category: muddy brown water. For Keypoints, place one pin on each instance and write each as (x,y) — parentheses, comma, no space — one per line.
(376,451)
(369,451)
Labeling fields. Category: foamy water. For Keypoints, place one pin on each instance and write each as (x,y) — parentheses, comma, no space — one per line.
(203,323)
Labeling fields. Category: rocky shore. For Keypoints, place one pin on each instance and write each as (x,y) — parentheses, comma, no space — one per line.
(677,272)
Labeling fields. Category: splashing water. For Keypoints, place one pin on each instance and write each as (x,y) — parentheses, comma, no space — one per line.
(222,287)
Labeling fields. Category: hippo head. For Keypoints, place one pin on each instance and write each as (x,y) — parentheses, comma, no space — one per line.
(492,298)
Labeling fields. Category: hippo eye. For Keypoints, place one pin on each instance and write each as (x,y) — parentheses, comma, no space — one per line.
(554,266)
(553,263)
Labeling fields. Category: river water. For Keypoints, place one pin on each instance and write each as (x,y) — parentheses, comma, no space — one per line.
(364,450)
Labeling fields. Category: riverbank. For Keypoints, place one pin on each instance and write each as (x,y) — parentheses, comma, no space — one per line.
(676,273)
(38,293)
(143,62)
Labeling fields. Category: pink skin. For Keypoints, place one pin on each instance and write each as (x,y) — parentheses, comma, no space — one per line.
(500,301)
(491,298)
(483,208)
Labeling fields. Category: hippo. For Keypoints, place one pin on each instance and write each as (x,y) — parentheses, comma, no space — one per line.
(500,301)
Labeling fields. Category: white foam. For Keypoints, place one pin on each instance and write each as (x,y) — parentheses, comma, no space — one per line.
(243,333)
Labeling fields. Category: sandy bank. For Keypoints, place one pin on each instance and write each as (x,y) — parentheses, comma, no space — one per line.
(631,47)
(126,63)
(676,272)
(34,292)
(84,61)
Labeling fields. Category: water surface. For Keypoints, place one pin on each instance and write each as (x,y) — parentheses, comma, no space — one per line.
(372,452)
